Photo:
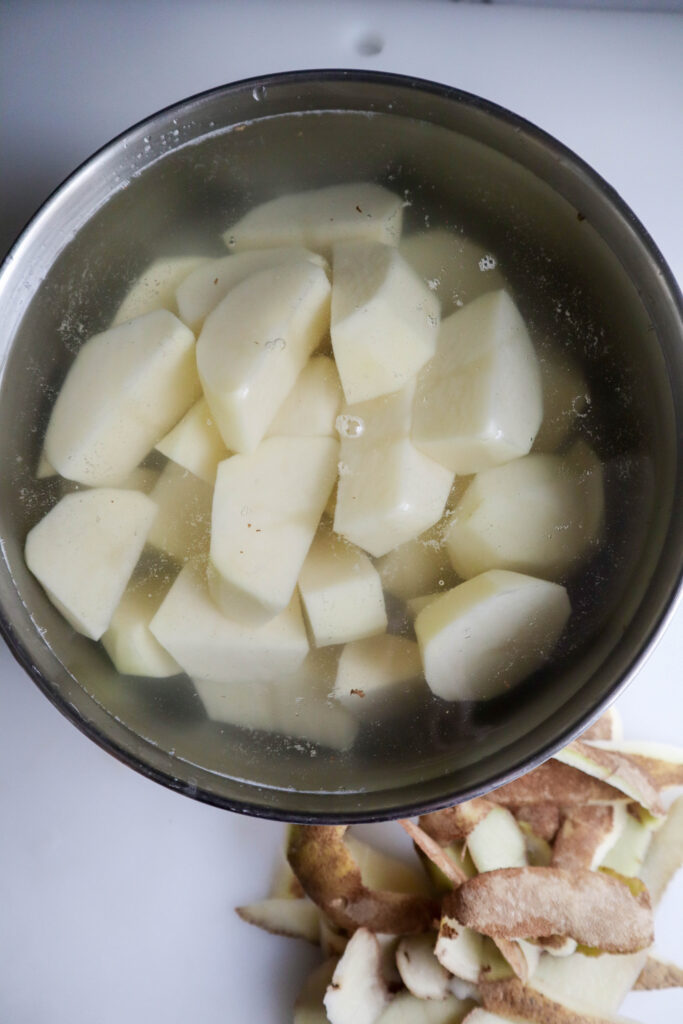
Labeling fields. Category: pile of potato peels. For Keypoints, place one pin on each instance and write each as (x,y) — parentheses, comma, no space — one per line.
(533,904)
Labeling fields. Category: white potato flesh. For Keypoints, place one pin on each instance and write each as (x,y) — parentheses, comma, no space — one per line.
(385,320)
(311,407)
(418,567)
(256,342)
(156,287)
(309,1008)
(406,1008)
(357,993)
(317,218)
(416,604)
(530,515)
(479,401)
(489,633)
(295,704)
(202,290)
(266,509)
(388,496)
(379,671)
(456,268)
(125,389)
(380,870)
(182,527)
(195,444)
(128,640)
(84,551)
(497,842)
(566,397)
(341,592)
(460,950)
(420,971)
(208,645)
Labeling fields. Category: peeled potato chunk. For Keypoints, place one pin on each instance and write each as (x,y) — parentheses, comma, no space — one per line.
(202,290)
(418,567)
(208,645)
(479,400)
(254,345)
(489,633)
(311,407)
(341,592)
(530,515)
(84,552)
(155,288)
(124,391)
(385,320)
(456,268)
(183,524)
(195,444)
(388,491)
(128,640)
(320,217)
(266,509)
(296,704)
(375,669)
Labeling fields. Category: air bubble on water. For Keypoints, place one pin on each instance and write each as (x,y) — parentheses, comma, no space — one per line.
(349,426)
(434,283)
(488,262)
(259,92)
(442,583)
(276,344)
(581,405)
(231,242)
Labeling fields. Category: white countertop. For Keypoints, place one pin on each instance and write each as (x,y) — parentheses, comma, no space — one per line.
(116,894)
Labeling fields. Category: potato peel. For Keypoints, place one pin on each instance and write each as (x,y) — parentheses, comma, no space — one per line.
(331,878)
(594,908)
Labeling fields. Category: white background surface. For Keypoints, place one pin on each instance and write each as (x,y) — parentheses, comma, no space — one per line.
(116,895)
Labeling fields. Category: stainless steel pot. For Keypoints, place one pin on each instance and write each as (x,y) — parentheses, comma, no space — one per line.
(583,269)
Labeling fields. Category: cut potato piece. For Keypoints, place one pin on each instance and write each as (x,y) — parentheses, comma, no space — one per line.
(418,567)
(533,902)
(195,444)
(526,516)
(380,671)
(407,1009)
(422,974)
(385,320)
(587,833)
(254,345)
(357,993)
(211,646)
(389,496)
(182,527)
(311,407)
(478,401)
(128,640)
(489,633)
(295,704)
(309,1008)
(266,509)
(126,388)
(84,550)
(566,398)
(295,918)
(156,287)
(330,876)
(320,217)
(201,291)
(456,268)
(341,592)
